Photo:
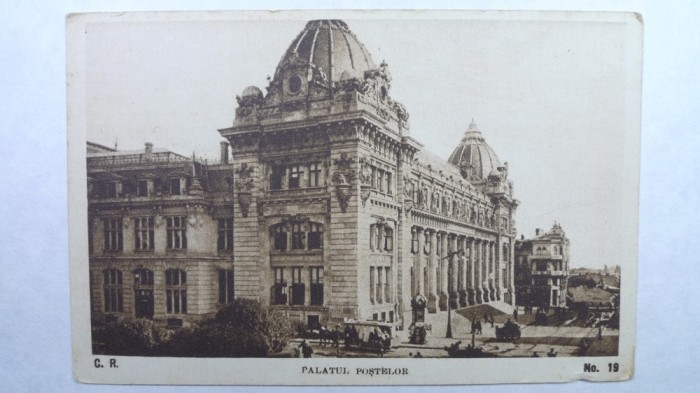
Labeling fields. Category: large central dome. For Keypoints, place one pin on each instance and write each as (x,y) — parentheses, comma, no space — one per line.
(330,46)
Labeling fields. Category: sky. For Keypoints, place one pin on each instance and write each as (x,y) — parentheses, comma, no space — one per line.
(548,96)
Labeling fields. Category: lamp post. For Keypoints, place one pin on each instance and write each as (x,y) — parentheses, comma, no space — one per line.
(450,272)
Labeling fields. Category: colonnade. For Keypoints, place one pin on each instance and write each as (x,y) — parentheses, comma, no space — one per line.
(449,267)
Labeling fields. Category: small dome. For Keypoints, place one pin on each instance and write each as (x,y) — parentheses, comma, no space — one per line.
(252,92)
(474,157)
(331,47)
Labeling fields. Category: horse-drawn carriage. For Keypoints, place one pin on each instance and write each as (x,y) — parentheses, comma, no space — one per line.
(369,335)
(508,332)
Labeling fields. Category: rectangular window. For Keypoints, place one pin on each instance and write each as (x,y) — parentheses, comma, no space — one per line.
(388,182)
(388,239)
(225,286)
(315,236)
(316,286)
(380,180)
(295,173)
(298,289)
(276,175)
(280,238)
(142,188)
(113,293)
(279,295)
(298,237)
(144,238)
(374,177)
(175,291)
(176,231)
(225,240)
(314,175)
(113,235)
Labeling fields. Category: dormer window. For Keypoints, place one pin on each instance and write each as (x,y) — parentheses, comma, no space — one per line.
(113,188)
(144,187)
(178,186)
(294,84)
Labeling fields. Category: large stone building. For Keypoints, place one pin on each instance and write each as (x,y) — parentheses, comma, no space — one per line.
(160,233)
(340,213)
(328,209)
(542,269)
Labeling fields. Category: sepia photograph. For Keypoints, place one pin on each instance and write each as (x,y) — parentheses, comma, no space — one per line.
(338,193)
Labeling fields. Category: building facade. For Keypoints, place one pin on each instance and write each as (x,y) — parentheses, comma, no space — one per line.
(160,234)
(542,269)
(340,213)
(328,209)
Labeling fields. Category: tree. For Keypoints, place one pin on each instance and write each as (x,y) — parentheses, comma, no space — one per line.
(247,315)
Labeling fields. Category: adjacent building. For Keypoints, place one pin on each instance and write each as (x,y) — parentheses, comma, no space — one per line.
(542,269)
(328,208)
(160,229)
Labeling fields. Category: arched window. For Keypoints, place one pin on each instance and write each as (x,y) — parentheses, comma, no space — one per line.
(143,293)
(112,289)
(143,277)
(175,291)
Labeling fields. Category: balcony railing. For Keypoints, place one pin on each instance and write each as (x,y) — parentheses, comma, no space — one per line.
(546,255)
(548,273)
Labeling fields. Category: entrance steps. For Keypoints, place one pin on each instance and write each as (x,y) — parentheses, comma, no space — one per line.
(477,311)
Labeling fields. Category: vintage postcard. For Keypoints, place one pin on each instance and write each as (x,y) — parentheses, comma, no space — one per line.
(353,197)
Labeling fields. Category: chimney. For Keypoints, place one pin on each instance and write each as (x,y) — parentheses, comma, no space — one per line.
(149,151)
(224,152)
(537,231)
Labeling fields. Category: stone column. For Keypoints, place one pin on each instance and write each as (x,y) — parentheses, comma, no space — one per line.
(454,278)
(492,275)
(478,271)
(463,272)
(418,264)
(379,295)
(484,271)
(499,271)
(432,277)
(372,285)
(471,290)
(444,263)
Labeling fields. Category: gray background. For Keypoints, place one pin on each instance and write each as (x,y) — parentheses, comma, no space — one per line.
(34,298)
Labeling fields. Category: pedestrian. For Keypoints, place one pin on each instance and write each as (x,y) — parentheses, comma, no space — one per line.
(551,353)
(478,327)
(418,355)
(473,327)
(515,313)
(534,354)
(306,349)
(600,332)
(410,354)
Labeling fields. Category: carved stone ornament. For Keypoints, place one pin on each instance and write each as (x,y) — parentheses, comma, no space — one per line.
(245,198)
(365,176)
(342,191)
(364,193)
(244,182)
